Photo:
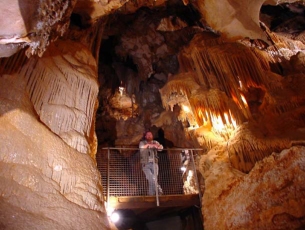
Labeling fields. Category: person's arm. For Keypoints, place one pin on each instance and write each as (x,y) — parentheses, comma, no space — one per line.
(143,145)
(156,145)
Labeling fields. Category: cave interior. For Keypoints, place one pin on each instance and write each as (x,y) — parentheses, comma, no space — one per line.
(80,76)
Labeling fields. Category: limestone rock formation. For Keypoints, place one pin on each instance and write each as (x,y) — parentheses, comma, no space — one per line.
(32,24)
(45,184)
(269,197)
(225,76)
(63,89)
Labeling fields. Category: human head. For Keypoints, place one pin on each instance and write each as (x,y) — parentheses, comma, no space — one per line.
(149,136)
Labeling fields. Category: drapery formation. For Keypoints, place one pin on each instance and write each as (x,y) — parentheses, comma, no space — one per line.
(222,74)
(65,98)
(227,85)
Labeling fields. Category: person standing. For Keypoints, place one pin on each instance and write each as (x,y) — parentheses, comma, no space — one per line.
(149,160)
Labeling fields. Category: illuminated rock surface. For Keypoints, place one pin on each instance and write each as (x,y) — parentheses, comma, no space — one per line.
(271,196)
(224,76)
(45,184)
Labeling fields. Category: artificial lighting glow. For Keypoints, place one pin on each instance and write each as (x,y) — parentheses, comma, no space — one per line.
(121,89)
(237,102)
(244,100)
(205,121)
(217,122)
(183,168)
(109,209)
(240,83)
(114,217)
(223,124)
(186,108)
(200,114)
(234,123)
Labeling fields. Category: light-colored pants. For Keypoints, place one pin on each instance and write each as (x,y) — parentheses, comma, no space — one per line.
(149,170)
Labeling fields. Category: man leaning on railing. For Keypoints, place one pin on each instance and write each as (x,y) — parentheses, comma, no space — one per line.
(149,160)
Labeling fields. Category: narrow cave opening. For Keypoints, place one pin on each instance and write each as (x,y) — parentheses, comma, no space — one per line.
(76,20)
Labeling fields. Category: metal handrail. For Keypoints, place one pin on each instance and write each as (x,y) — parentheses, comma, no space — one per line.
(137,148)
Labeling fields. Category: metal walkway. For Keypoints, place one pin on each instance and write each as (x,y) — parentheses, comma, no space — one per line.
(125,185)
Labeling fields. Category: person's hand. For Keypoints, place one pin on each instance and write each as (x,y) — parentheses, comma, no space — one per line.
(157,146)
(150,146)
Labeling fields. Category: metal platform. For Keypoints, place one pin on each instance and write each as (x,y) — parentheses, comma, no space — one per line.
(146,202)
(126,188)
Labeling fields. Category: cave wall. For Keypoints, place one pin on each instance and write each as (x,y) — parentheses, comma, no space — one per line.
(49,178)
(45,184)
(63,89)
(49,102)
(271,196)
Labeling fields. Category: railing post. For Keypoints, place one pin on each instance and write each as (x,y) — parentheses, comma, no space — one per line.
(156,180)
(195,172)
(108,177)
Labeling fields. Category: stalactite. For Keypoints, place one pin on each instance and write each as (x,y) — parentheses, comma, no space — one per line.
(229,67)
(246,151)
(227,63)
(213,102)
(225,76)
(178,89)
(264,58)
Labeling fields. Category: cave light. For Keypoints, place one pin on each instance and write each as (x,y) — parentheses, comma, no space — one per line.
(190,117)
(237,102)
(234,123)
(221,127)
(115,217)
(226,118)
(223,124)
(190,173)
(204,120)
(112,214)
(186,108)
(244,100)
(240,84)
(217,122)
(109,209)
(121,89)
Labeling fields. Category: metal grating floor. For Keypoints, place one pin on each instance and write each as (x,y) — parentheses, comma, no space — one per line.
(126,177)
